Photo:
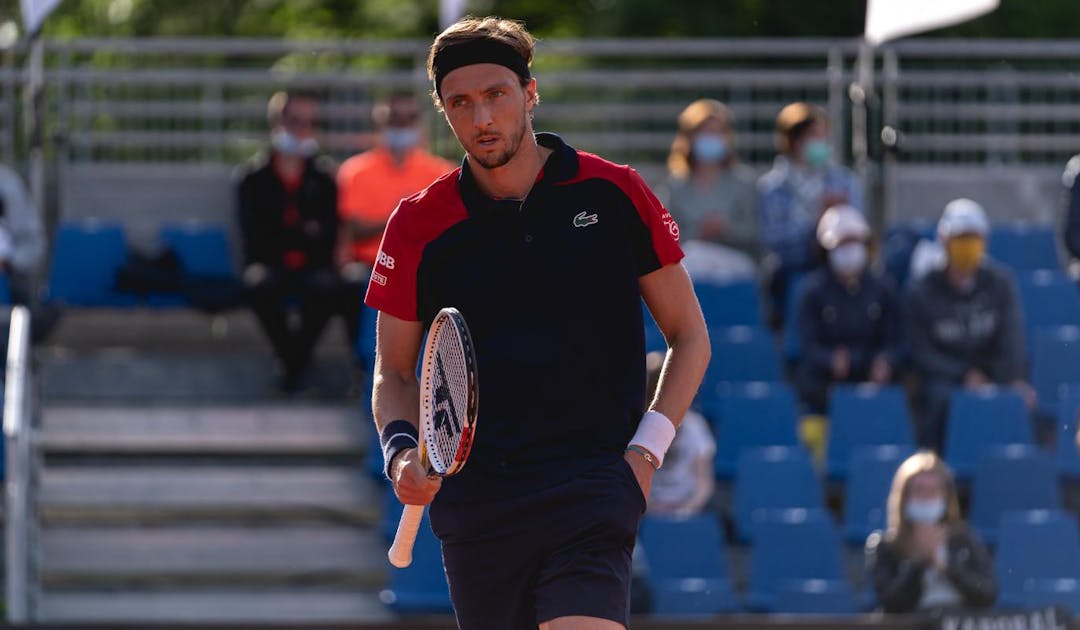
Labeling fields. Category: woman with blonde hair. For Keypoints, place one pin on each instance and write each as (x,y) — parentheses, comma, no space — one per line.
(927,558)
(710,194)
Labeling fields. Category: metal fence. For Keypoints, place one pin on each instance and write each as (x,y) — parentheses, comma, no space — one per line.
(969,108)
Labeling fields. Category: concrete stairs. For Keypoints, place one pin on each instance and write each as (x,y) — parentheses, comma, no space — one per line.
(176,487)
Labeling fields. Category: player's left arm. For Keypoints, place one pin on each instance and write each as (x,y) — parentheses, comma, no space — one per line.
(669,294)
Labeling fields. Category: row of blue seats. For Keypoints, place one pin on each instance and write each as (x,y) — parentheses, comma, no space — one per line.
(748,354)
(1020,246)
(766,414)
(796,566)
(87,255)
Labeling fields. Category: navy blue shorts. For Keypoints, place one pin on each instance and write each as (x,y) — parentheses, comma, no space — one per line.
(562,551)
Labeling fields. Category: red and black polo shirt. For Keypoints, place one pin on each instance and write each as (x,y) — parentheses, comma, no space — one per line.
(549,288)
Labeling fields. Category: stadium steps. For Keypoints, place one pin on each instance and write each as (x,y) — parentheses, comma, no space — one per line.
(207,513)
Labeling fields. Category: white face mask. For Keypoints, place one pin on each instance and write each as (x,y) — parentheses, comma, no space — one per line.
(287,144)
(926,512)
(848,259)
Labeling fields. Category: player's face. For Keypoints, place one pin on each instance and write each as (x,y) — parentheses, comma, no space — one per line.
(488,109)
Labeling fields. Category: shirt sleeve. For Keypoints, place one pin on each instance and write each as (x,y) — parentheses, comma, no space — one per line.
(392,288)
(661,247)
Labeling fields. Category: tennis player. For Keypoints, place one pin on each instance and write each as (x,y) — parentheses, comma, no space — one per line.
(547,252)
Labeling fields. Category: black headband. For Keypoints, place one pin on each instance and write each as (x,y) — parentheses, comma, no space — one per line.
(477,51)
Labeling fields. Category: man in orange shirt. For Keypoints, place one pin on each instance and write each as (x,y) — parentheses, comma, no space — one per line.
(371,184)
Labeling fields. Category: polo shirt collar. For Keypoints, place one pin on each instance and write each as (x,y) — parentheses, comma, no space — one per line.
(560,166)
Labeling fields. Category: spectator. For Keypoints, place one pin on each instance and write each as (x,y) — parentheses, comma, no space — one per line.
(802,183)
(849,319)
(710,194)
(684,485)
(22,241)
(372,183)
(287,210)
(927,558)
(1072,211)
(965,325)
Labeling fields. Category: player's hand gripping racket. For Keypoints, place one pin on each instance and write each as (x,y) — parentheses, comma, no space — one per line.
(448,398)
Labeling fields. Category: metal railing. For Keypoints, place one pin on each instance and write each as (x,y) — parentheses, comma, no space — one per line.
(19,413)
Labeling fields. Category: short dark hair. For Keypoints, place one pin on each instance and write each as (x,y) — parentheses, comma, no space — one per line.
(280,100)
(382,113)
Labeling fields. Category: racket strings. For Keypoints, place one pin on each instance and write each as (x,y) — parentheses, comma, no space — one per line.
(449,391)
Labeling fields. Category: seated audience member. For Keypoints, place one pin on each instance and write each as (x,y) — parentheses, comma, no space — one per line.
(22,237)
(927,558)
(371,184)
(1071,229)
(803,182)
(710,194)
(684,485)
(287,211)
(849,319)
(964,321)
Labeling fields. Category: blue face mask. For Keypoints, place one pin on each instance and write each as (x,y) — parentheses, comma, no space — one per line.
(402,138)
(709,148)
(926,512)
(817,153)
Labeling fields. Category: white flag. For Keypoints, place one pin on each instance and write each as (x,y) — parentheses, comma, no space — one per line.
(450,11)
(889,19)
(34,13)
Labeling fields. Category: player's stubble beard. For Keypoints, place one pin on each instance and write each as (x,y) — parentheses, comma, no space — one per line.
(502,159)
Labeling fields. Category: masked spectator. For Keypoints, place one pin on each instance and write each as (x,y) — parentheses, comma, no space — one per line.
(22,240)
(965,326)
(287,209)
(927,558)
(709,192)
(849,317)
(803,182)
(1071,232)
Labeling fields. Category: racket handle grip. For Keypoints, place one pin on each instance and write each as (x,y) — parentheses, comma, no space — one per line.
(400,553)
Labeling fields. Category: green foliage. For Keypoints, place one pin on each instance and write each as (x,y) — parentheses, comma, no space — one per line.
(546,18)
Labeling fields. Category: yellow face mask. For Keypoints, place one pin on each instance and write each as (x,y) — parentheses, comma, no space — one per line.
(965,252)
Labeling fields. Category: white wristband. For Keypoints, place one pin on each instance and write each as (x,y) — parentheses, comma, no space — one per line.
(655,433)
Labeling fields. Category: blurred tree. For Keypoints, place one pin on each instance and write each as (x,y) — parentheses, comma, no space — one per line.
(547,18)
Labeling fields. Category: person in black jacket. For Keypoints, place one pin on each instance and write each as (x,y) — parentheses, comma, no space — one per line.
(849,317)
(287,207)
(927,558)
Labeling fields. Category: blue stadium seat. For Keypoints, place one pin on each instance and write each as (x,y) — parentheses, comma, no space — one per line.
(421,588)
(5,290)
(792,340)
(1068,453)
(871,473)
(864,415)
(86,256)
(1055,363)
(793,545)
(1063,592)
(654,339)
(203,248)
(365,337)
(731,304)
(688,566)
(815,597)
(1024,247)
(983,418)
(742,354)
(1035,548)
(770,479)
(753,415)
(1049,298)
(1011,478)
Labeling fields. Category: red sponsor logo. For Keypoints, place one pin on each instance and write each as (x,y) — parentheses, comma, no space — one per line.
(672,226)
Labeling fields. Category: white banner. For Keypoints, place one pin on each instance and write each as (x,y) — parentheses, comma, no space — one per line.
(889,19)
(450,11)
(34,13)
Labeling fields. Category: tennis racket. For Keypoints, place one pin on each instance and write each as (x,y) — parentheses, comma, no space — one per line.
(448,404)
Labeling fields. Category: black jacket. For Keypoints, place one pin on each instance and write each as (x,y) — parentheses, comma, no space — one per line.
(261,207)
(898,581)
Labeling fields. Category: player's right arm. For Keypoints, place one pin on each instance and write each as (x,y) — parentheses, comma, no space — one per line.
(396,396)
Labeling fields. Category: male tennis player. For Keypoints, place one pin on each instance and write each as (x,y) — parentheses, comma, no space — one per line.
(547,251)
